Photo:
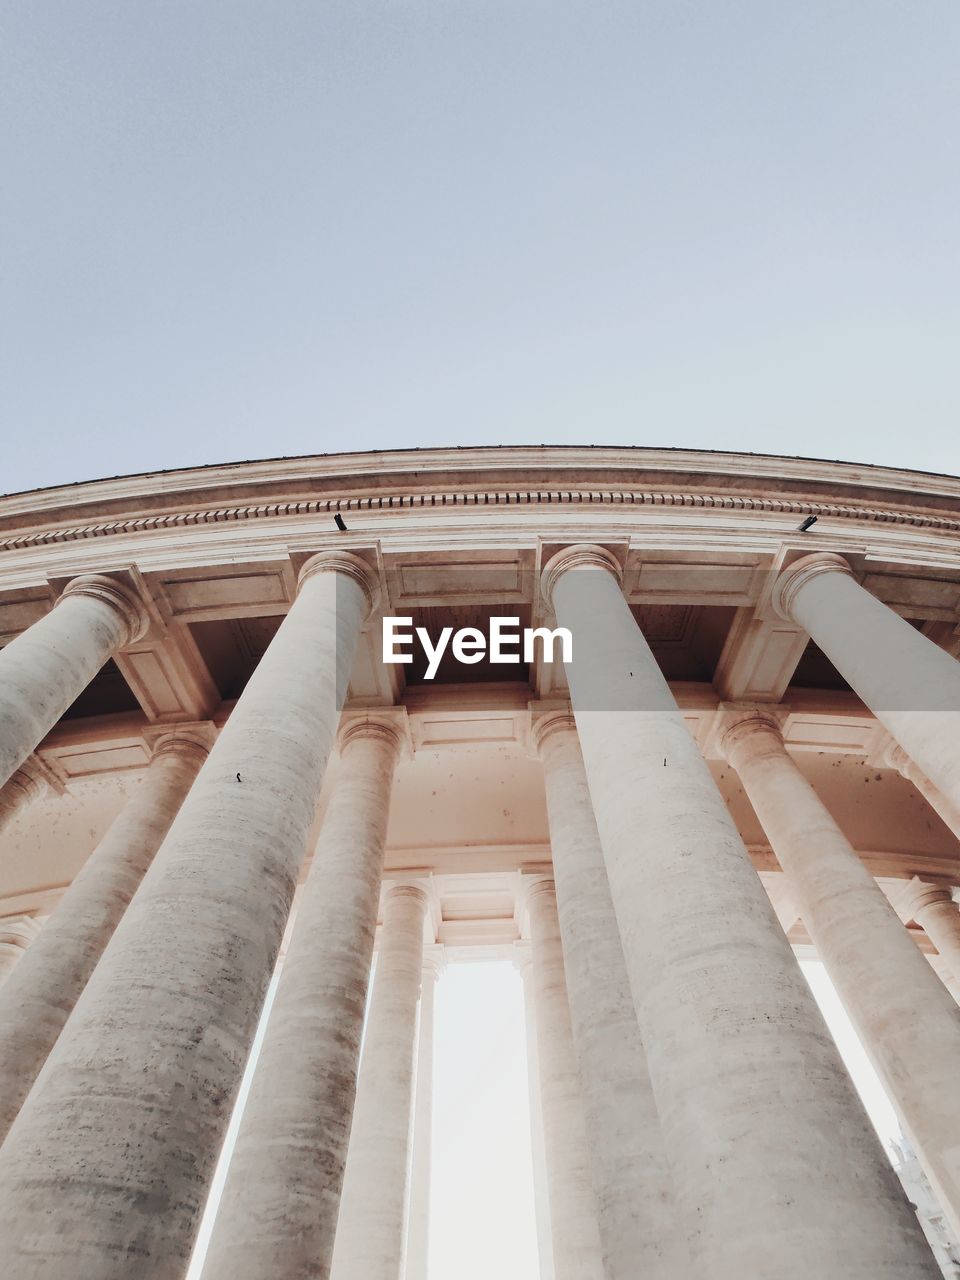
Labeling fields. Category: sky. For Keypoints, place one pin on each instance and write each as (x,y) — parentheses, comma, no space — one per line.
(248,229)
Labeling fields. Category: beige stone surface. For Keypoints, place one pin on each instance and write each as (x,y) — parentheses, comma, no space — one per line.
(137,1093)
(16,793)
(908,1021)
(523,962)
(947,809)
(640,1230)
(910,683)
(370,1231)
(577,1252)
(17,935)
(775,1165)
(47,666)
(937,914)
(417,1259)
(123,1126)
(278,1214)
(36,1002)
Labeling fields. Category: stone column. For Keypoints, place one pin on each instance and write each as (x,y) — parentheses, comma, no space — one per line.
(908,1021)
(731,1030)
(577,1253)
(45,669)
(21,788)
(278,1214)
(909,683)
(945,809)
(17,933)
(370,1232)
(639,1229)
(418,1213)
(523,961)
(38,999)
(106,1169)
(936,913)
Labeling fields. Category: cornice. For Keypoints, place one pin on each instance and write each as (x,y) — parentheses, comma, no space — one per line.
(48,534)
(580,459)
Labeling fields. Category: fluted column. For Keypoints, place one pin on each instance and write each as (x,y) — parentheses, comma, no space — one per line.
(418,1213)
(17,933)
(910,684)
(776,1168)
(908,1021)
(21,788)
(107,1166)
(577,1253)
(938,916)
(278,1214)
(370,1232)
(943,807)
(38,999)
(639,1229)
(523,962)
(45,668)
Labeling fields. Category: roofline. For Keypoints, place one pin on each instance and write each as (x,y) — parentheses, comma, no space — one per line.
(381,467)
(481,448)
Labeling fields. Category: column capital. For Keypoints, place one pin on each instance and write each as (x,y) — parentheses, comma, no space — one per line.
(21,787)
(798,574)
(894,757)
(549,719)
(540,887)
(582,555)
(749,727)
(186,746)
(434,960)
(123,599)
(406,889)
(917,894)
(387,725)
(533,888)
(18,931)
(522,957)
(351,566)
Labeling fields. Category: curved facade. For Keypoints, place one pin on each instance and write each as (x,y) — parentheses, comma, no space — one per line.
(754,747)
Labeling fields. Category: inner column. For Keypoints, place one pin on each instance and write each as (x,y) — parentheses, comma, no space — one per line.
(577,1253)
(418,1213)
(278,1214)
(639,1229)
(370,1231)
(38,999)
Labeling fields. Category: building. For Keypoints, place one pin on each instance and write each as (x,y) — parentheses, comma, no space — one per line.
(755,743)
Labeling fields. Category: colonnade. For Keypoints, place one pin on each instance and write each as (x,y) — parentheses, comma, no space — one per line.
(695,1113)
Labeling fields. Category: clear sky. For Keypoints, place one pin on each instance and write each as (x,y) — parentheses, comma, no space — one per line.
(243,229)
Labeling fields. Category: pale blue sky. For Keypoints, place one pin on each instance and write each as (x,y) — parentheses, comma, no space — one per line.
(235,230)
